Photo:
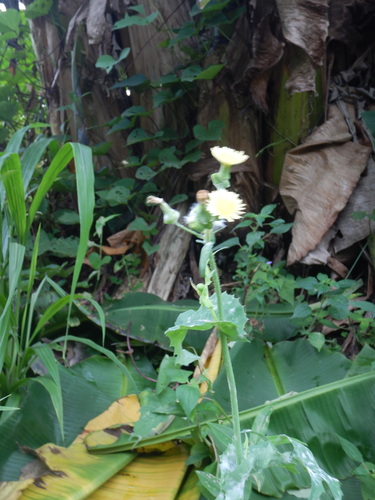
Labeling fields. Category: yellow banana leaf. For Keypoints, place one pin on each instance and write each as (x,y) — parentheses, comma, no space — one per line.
(190,489)
(12,490)
(76,474)
(149,476)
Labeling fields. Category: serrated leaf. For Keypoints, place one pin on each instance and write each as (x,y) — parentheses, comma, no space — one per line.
(232,323)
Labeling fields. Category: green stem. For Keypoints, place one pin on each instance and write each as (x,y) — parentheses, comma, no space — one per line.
(188,230)
(228,366)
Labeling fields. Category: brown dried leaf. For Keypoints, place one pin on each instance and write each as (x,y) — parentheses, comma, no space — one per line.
(305,24)
(317,180)
(267,52)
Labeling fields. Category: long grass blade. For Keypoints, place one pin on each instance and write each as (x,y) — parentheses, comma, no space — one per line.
(31,158)
(11,175)
(59,162)
(16,257)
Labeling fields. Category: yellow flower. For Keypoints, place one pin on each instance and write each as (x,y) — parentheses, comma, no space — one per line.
(227,156)
(225,205)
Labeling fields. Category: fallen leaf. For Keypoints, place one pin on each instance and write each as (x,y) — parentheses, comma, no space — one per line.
(317,180)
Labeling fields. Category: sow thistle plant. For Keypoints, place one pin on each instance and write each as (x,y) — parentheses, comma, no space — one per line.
(248,453)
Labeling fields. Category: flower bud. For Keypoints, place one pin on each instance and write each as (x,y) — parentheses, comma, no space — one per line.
(170,215)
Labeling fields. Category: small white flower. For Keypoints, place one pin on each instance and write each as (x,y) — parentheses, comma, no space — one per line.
(225,205)
(227,156)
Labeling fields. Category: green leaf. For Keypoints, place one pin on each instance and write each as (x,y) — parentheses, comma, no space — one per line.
(135,111)
(190,73)
(38,8)
(35,424)
(317,340)
(10,22)
(53,386)
(14,144)
(138,135)
(145,173)
(325,407)
(166,96)
(135,20)
(67,217)
(169,372)
(232,324)
(212,133)
(117,195)
(16,258)
(11,175)
(63,247)
(205,255)
(188,397)
(132,81)
(7,110)
(210,72)
(31,158)
(139,224)
(148,248)
(142,316)
(363,305)
(107,62)
(281,228)
(154,412)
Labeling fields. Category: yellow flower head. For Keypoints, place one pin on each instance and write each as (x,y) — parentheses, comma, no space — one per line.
(225,205)
(227,156)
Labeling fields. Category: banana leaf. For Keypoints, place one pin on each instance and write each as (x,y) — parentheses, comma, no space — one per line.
(88,388)
(144,317)
(73,473)
(313,397)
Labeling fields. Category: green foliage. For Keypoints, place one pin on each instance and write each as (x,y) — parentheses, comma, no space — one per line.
(21,103)
(20,295)
(309,304)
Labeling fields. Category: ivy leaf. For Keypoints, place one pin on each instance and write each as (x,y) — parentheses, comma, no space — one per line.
(145,173)
(138,135)
(132,81)
(190,73)
(135,21)
(212,133)
(135,110)
(166,96)
(232,324)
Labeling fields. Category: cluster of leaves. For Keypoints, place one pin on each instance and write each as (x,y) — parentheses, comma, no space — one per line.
(312,305)
(21,94)
(174,144)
